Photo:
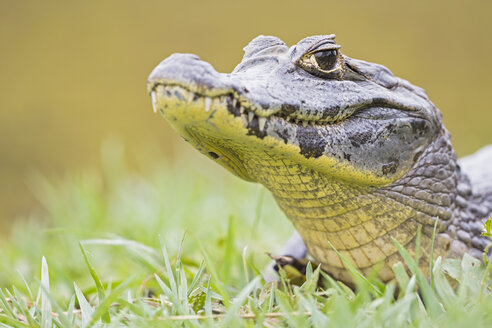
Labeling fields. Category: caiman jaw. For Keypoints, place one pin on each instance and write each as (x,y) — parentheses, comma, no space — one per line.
(202,119)
(254,117)
(222,125)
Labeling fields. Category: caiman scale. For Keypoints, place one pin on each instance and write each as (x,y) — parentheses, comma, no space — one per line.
(353,155)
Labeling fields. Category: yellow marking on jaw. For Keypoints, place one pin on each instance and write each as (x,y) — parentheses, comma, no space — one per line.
(219,123)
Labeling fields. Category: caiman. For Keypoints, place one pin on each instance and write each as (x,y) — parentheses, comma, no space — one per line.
(354,156)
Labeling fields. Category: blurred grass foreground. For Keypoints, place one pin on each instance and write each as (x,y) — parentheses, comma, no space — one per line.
(184,246)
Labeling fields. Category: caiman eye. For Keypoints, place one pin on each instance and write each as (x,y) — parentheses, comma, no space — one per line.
(325,63)
(326,60)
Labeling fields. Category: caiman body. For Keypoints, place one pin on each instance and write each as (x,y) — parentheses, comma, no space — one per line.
(353,155)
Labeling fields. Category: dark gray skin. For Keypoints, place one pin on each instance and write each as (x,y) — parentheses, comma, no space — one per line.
(372,141)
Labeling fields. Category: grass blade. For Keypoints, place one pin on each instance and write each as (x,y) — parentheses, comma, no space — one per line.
(85,308)
(46,313)
(208,300)
(431,260)
(171,295)
(234,309)
(401,276)
(196,279)
(4,304)
(428,294)
(359,279)
(31,296)
(71,311)
(103,308)
(169,269)
(147,255)
(21,305)
(442,285)
(213,272)
(183,291)
(10,322)
(97,281)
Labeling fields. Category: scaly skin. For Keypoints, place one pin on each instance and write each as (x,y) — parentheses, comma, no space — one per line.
(353,155)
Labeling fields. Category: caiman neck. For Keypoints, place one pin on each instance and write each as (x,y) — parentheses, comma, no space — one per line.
(360,221)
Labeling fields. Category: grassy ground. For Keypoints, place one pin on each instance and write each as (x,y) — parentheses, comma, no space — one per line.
(183,245)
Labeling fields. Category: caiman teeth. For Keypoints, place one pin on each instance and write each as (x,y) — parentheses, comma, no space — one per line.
(261,123)
(230,100)
(191,95)
(154,101)
(208,102)
(251,115)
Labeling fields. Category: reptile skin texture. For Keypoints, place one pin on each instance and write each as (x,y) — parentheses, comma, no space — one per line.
(354,156)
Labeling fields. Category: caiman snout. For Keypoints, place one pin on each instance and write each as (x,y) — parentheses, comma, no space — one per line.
(186,70)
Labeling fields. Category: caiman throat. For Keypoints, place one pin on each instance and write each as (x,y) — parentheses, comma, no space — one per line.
(353,155)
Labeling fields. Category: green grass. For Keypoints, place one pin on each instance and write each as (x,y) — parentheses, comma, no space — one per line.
(184,245)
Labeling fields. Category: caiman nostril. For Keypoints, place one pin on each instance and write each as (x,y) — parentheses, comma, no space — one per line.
(213,155)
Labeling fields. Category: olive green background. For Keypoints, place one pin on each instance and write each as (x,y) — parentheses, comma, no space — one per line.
(73,73)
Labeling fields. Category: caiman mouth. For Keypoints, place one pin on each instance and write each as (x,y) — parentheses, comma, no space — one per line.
(254,118)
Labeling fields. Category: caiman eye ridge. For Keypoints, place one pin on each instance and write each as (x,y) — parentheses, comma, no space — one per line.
(237,107)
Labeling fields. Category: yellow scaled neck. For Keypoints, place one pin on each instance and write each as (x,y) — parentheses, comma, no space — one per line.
(357,221)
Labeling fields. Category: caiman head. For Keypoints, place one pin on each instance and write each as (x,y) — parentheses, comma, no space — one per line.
(307,104)
(334,139)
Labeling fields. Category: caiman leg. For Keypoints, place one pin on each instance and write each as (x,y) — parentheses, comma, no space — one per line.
(294,247)
(293,260)
(293,255)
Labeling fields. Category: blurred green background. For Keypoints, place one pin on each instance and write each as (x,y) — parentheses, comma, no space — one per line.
(74,72)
